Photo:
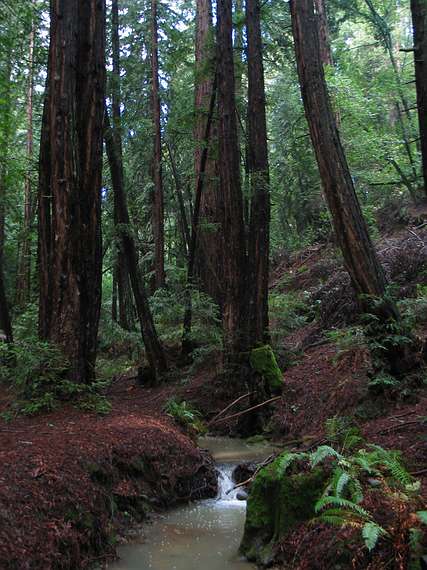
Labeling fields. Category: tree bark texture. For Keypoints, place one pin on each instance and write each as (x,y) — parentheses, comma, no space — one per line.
(209,254)
(5,105)
(259,228)
(234,262)
(352,234)
(24,263)
(153,347)
(158,198)
(124,295)
(419,20)
(70,181)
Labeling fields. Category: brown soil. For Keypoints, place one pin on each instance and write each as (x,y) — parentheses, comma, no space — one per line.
(68,478)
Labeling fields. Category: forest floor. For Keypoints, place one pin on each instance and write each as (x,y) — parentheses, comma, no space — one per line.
(69,479)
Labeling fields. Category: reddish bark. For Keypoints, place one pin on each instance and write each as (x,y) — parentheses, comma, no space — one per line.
(234,262)
(259,229)
(24,264)
(158,198)
(209,256)
(70,183)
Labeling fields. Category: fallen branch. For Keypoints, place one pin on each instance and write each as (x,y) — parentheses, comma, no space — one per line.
(239,399)
(247,410)
(399,426)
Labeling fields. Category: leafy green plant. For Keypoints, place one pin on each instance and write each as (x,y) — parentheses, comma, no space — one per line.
(340,502)
(347,339)
(39,379)
(185,415)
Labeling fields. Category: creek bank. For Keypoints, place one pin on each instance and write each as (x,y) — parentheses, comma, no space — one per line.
(71,481)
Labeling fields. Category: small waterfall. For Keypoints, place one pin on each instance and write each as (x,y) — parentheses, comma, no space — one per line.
(226,483)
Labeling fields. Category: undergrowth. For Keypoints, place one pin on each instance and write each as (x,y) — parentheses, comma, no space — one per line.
(353,475)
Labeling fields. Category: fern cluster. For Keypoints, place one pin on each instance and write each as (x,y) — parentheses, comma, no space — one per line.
(340,502)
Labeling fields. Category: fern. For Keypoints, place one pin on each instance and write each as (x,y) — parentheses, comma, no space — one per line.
(341,503)
(287,459)
(371,533)
(322,453)
(390,460)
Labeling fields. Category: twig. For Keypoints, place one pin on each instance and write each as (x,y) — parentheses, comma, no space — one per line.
(248,410)
(239,399)
(399,426)
(420,472)
(252,477)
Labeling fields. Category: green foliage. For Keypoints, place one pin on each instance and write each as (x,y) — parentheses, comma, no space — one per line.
(348,339)
(289,312)
(39,379)
(340,501)
(168,309)
(185,415)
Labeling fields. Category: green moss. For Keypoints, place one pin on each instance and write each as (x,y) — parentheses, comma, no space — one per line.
(263,360)
(277,503)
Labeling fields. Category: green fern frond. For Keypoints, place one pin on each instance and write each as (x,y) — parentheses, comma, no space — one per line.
(341,503)
(371,533)
(322,453)
(342,482)
(286,460)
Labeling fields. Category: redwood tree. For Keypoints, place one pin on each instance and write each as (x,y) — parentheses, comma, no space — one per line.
(234,262)
(209,253)
(122,295)
(351,231)
(24,264)
(419,20)
(70,180)
(158,198)
(259,229)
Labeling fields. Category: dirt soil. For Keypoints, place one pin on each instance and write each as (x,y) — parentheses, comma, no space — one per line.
(70,480)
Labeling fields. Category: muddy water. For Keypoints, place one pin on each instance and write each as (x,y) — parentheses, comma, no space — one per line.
(203,535)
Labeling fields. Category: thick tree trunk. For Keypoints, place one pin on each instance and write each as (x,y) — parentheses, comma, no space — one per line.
(208,261)
(419,20)
(234,261)
(154,349)
(24,264)
(158,198)
(360,258)
(70,183)
(259,229)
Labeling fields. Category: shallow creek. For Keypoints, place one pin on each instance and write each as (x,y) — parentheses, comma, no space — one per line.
(205,534)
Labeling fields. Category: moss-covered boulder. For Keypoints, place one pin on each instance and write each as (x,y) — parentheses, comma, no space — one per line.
(264,362)
(277,503)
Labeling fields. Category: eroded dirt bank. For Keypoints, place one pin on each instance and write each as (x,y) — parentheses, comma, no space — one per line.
(69,481)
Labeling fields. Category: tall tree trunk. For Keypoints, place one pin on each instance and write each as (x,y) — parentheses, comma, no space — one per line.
(234,261)
(419,20)
(24,264)
(158,198)
(324,39)
(360,258)
(124,296)
(6,108)
(259,228)
(209,254)
(70,254)
(154,349)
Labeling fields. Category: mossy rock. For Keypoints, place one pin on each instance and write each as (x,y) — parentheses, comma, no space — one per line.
(264,362)
(277,503)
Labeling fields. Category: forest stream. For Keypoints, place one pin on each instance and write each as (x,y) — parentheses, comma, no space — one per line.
(204,534)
